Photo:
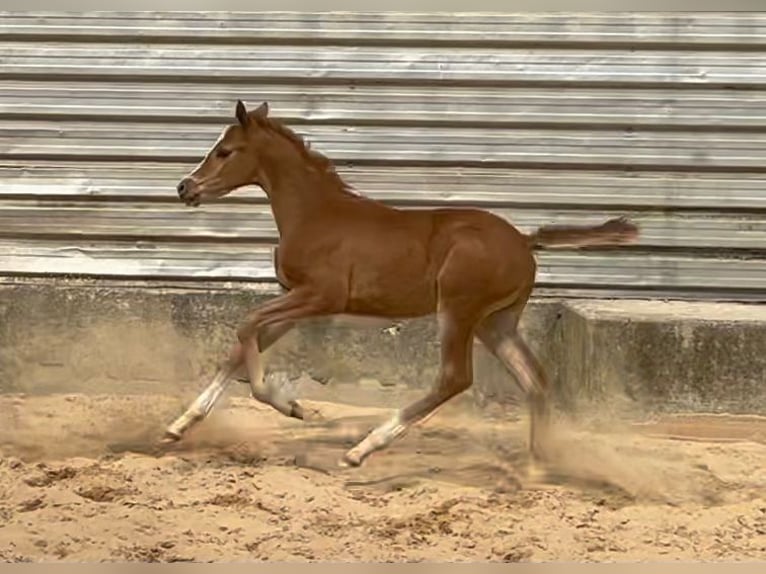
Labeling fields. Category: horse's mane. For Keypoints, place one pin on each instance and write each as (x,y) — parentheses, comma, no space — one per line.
(319,161)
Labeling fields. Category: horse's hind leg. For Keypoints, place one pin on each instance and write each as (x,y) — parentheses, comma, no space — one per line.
(456,376)
(460,307)
(499,333)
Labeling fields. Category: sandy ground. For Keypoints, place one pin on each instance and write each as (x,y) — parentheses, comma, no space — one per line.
(79,481)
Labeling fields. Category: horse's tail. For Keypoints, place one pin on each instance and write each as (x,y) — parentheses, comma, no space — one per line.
(618,231)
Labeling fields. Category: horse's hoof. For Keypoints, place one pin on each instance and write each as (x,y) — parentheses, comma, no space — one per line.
(296,411)
(349,462)
(170,438)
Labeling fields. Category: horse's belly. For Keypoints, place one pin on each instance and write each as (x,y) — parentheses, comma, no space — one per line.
(392,291)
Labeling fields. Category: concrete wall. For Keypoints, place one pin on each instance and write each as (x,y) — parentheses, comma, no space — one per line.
(132,337)
(665,355)
(60,336)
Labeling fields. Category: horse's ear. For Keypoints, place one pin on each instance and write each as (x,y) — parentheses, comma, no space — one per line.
(262,111)
(241,113)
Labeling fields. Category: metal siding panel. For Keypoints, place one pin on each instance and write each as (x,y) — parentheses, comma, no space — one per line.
(303,64)
(135,259)
(635,29)
(253,262)
(528,109)
(189,142)
(488,106)
(427,185)
(254,223)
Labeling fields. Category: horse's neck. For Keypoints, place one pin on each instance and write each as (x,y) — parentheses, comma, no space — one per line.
(298,192)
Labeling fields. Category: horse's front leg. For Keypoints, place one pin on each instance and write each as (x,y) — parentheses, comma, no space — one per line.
(263,327)
(281,311)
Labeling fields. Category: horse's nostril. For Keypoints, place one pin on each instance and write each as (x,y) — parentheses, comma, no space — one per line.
(181,187)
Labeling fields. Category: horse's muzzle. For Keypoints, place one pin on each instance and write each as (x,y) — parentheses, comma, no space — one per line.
(188,192)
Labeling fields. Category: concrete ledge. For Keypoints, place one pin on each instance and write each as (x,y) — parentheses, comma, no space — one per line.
(665,356)
(59,335)
(132,337)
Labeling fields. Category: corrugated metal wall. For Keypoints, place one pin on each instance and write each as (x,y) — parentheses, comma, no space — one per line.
(542,118)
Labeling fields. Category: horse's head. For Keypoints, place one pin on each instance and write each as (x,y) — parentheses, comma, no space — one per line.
(233,160)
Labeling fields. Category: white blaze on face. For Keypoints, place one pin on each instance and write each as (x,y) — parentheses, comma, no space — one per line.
(207,155)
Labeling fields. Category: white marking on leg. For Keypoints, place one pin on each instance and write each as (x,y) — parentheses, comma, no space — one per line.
(380,437)
(201,406)
(388,430)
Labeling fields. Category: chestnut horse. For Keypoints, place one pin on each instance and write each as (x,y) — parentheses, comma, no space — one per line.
(340,253)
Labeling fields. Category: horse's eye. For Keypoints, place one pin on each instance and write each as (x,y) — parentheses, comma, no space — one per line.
(223,153)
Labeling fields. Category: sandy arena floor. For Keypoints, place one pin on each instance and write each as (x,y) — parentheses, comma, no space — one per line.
(79,481)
